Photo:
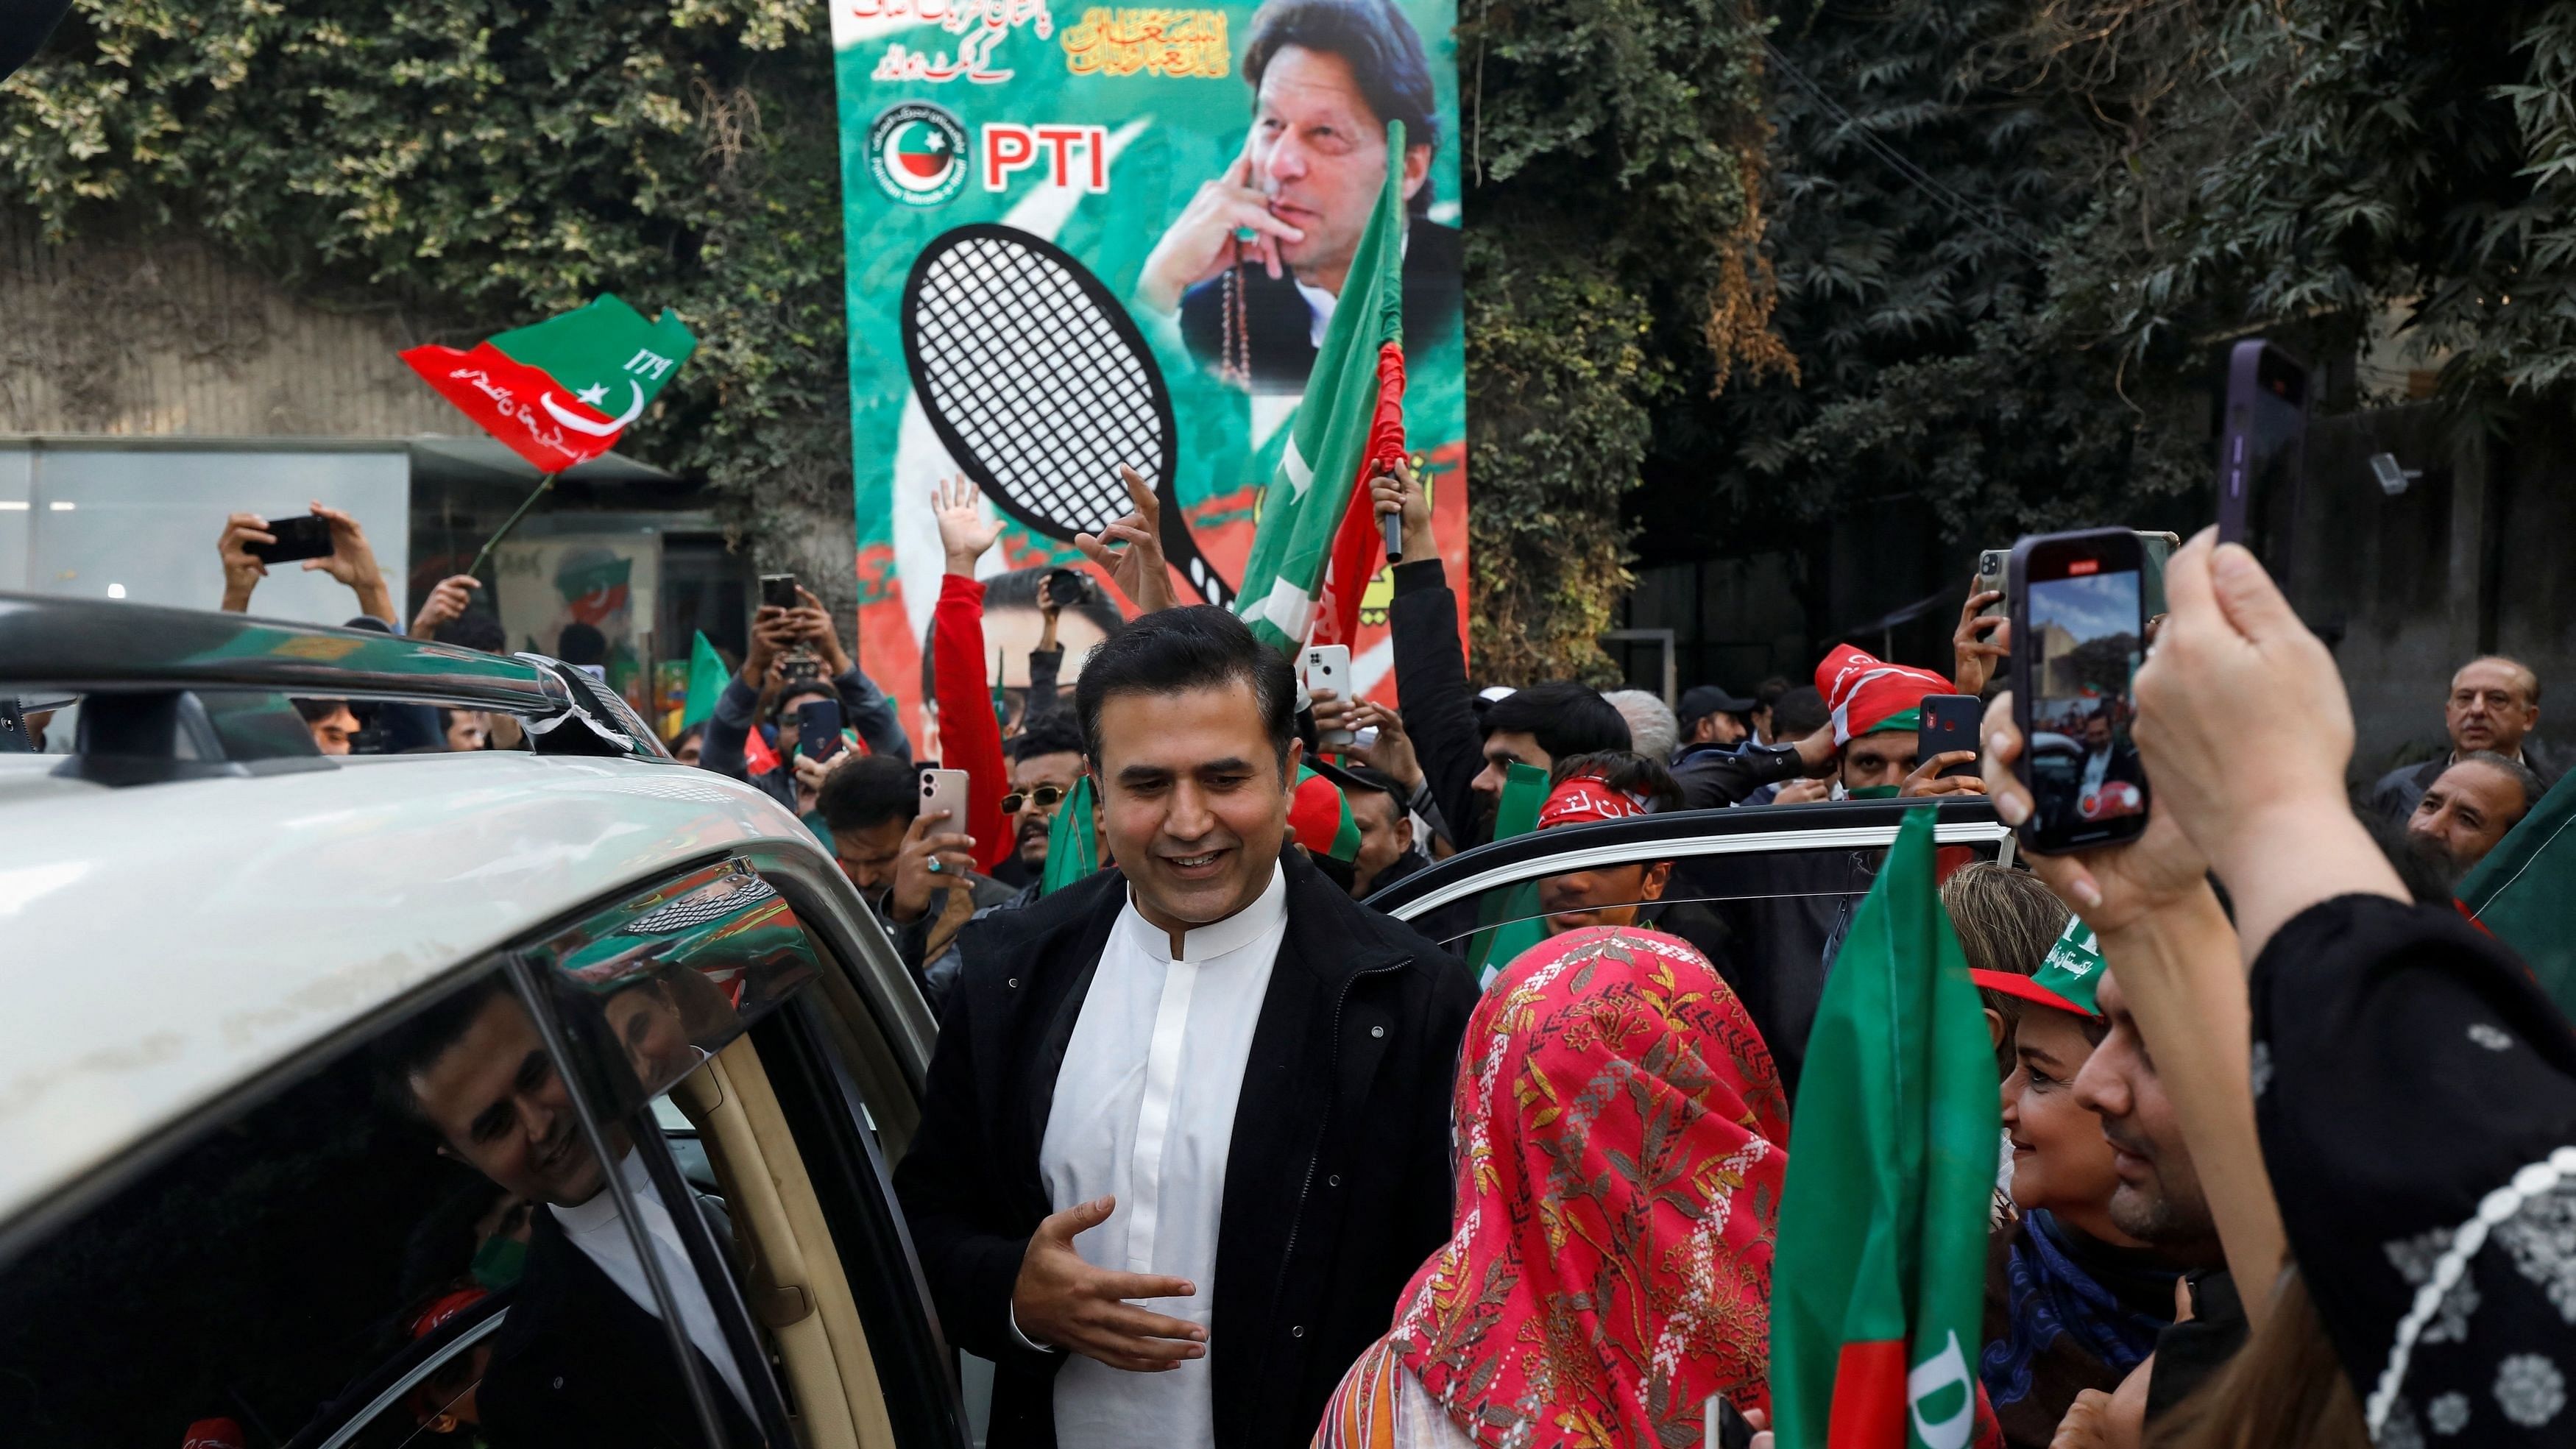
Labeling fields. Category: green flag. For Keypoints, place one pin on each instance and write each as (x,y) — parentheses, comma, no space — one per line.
(707,676)
(1354,398)
(1071,845)
(1508,921)
(563,390)
(2525,891)
(1878,1285)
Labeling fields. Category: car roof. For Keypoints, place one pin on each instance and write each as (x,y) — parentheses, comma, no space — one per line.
(166,944)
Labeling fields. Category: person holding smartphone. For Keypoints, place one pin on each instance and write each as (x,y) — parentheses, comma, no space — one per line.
(766,756)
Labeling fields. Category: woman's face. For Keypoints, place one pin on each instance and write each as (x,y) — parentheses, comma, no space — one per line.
(2061,1161)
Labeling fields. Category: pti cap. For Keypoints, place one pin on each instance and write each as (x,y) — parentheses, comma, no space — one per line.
(2067,978)
(1868,694)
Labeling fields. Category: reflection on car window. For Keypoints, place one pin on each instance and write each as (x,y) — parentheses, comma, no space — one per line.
(680,970)
(1770,919)
(416,1237)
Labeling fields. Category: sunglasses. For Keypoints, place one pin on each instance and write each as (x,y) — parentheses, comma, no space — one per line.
(1045,797)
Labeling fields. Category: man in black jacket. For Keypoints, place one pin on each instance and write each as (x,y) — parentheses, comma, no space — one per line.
(1208,1079)
(584,1357)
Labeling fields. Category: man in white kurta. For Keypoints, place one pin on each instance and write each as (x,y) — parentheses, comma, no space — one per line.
(1144,1112)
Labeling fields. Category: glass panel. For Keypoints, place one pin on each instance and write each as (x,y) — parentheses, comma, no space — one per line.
(678,971)
(415,1236)
(1769,920)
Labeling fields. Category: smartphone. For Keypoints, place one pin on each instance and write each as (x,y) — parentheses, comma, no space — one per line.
(2079,625)
(778,591)
(945,790)
(2262,445)
(1328,666)
(1949,722)
(2159,547)
(306,535)
(818,728)
(1990,578)
(1065,587)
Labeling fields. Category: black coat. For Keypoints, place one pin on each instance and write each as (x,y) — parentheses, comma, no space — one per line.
(1336,1185)
(578,1362)
(1281,325)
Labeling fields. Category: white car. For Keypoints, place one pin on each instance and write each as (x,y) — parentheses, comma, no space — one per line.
(240,1126)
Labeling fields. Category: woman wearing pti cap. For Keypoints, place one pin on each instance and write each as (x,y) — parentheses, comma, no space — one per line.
(2072,1303)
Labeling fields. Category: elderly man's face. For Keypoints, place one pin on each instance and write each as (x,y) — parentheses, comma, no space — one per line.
(1319,155)
(2490,707)
(2466,812)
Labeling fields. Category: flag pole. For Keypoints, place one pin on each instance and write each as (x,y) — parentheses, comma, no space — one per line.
(489,544)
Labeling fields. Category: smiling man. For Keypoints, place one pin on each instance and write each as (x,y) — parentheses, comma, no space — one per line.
(583,1358)
(1186,1132)
(1256,261)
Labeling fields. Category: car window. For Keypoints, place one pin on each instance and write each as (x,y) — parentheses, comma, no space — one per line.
(411,1241)
(1768,907)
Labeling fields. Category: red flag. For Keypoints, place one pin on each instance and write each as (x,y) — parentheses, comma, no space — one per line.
(1359,547)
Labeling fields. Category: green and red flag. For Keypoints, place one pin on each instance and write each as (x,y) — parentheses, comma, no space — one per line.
(2524,892)
(1878,1283)
(1319,541)
(561,391)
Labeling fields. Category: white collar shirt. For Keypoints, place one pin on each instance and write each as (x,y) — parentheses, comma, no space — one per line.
(2097,768)
(595,1228)
(1144,1110)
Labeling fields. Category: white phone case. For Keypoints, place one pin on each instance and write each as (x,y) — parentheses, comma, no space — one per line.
(1328,666)
(945,790)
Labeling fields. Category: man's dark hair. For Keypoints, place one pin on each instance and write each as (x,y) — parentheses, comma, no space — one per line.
(1018,589)
(868,792)
(1377,780)
(1798,713)
(1199,647)
(681,740)
(1625,771)
(1380,46)
(413,1045)
(2533,787)
(475,629)
(581,643)
(815,688)
(1767,693)
(1565,718)
(317,710)
(1052,733)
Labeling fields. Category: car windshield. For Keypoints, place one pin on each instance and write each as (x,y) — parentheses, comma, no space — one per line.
(1766,895)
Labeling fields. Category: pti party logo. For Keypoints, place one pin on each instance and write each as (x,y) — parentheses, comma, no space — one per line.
(917,152)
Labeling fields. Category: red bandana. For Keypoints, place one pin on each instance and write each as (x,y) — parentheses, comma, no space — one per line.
(1585,798)
(1620,1129)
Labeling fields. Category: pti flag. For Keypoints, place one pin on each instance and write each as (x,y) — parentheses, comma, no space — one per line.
(1879,1282)
(562,391)
(1349,428)
(2524,892)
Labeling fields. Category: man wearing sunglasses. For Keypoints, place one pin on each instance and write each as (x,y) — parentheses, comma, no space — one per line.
(1046,760)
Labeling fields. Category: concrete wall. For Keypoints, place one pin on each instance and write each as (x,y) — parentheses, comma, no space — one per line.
(165,337)
(2471,559)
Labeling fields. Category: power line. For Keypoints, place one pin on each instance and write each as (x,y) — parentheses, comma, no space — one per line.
(1915,176)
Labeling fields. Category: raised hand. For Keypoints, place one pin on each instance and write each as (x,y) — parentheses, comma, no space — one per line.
(242,570)
(2116,886)
(1137,569)
(352,560)
(1927,778)
(1391,754)
(1202,242)
(931,857)
(1064,1302)
(1401,493)
(445,605)
(813,625)
(965,530)
(1978,642)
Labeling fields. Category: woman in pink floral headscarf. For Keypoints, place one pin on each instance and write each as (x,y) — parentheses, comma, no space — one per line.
(1620,1134)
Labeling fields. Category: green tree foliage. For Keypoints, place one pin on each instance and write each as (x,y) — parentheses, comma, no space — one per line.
(481,165)
(1614,155)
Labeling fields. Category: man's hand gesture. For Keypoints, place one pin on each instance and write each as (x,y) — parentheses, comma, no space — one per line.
(932,856)
(242,569)
(1978,642)
(965,530)
(445,605)
(1138,569)
(1401,493)
(1065,1302)
(1202,243)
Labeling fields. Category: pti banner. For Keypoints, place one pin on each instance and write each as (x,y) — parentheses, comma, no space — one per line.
(1085,237)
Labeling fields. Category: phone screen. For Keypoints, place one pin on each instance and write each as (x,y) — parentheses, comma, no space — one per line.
(2087,784)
